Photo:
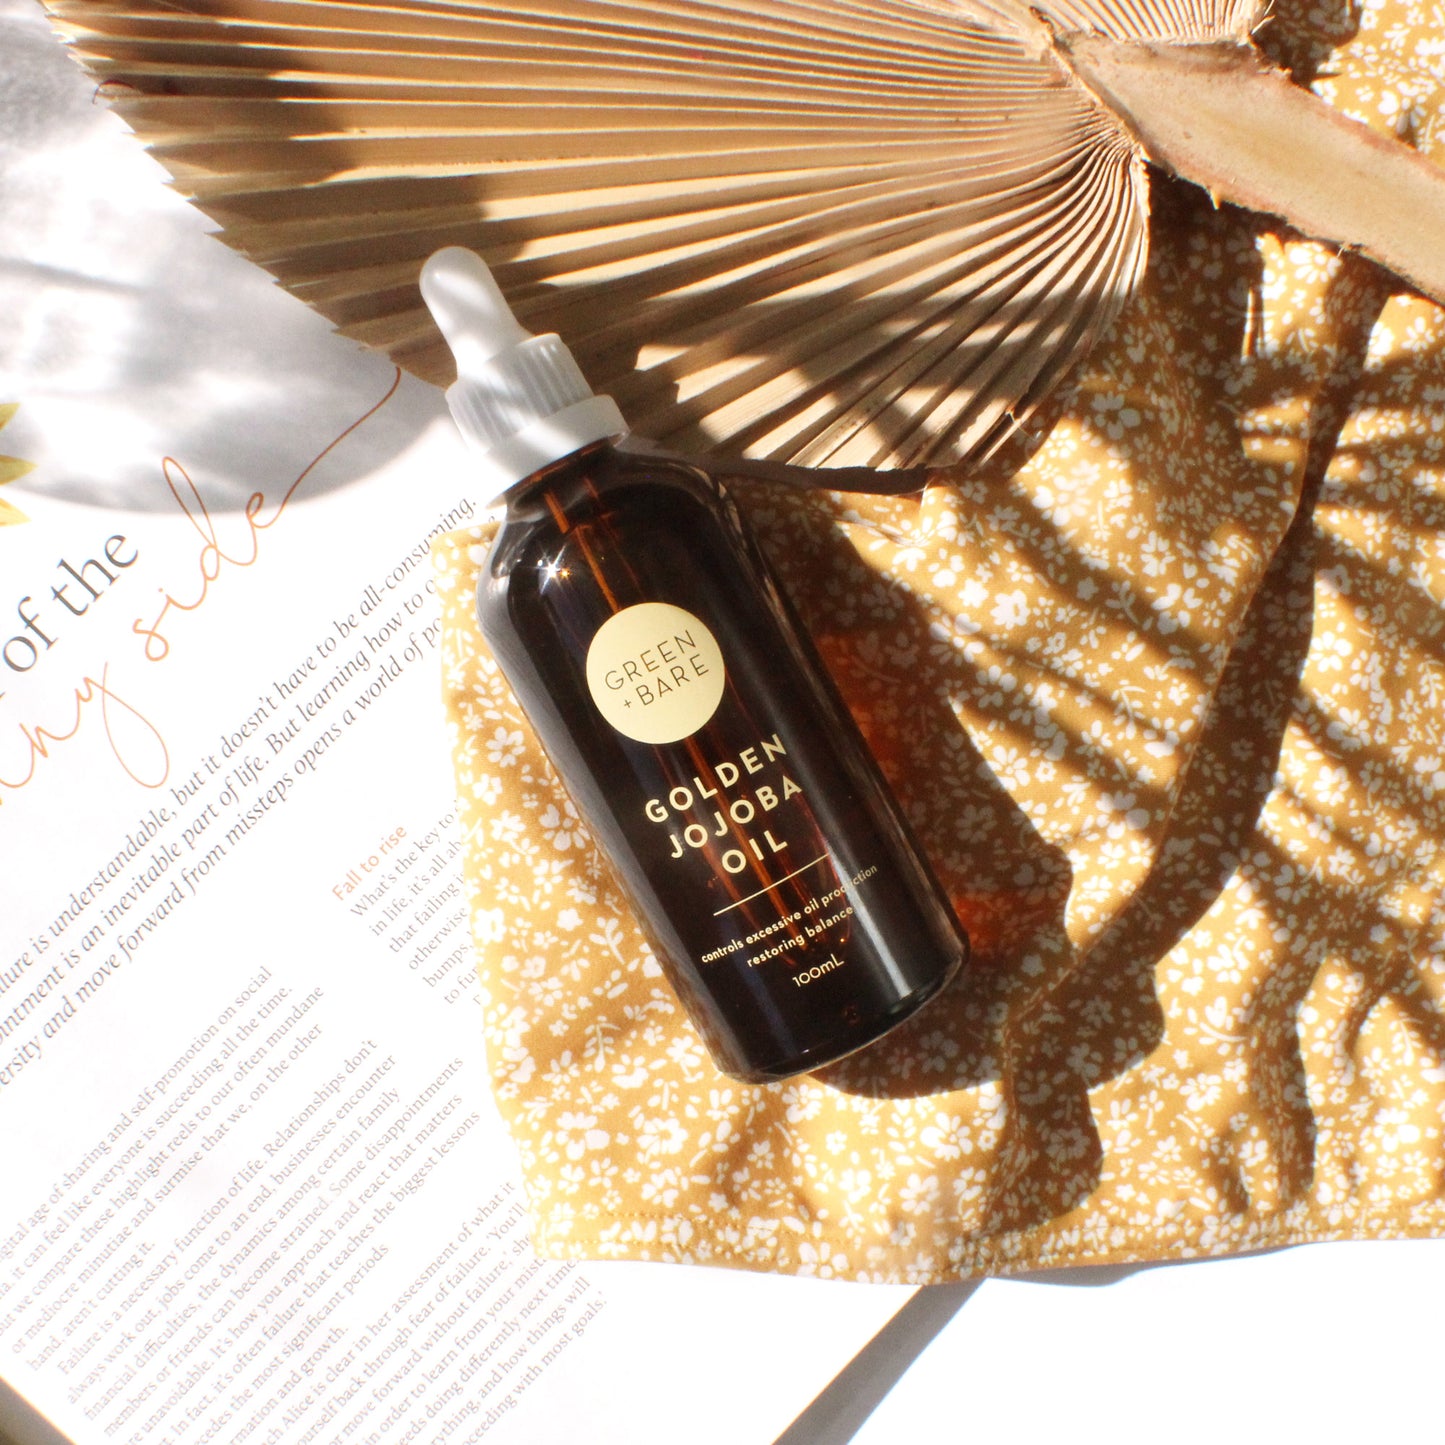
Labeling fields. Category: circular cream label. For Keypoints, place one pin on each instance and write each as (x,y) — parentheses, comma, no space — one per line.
(655,672)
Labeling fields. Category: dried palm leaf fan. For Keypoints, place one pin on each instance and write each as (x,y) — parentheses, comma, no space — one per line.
(827,232)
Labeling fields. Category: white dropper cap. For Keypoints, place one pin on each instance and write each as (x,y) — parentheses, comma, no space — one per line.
(520,400)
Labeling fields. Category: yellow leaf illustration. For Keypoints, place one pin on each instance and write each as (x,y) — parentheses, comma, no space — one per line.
(10,468)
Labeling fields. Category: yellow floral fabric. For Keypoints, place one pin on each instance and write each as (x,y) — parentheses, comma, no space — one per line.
(1163,694)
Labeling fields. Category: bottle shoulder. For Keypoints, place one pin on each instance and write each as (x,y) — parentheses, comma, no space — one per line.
(607,490)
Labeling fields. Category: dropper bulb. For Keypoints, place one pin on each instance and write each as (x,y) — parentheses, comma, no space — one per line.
(463,296)
(520,401)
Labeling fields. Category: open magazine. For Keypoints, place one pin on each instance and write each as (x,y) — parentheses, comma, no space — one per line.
(253,1189)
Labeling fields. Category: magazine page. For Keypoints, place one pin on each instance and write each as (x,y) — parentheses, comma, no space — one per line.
(253,1186)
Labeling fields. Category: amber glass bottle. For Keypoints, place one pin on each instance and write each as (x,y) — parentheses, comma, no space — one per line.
(689,716)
